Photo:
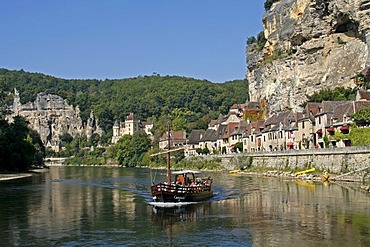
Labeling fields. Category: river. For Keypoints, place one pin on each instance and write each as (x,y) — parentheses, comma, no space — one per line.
(95,206)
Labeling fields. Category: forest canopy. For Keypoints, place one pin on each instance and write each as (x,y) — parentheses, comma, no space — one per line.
(146,96)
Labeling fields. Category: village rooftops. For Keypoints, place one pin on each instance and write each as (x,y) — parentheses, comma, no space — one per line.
(195,136)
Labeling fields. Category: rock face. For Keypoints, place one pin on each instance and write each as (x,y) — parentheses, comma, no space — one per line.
(51,116)
(311,45)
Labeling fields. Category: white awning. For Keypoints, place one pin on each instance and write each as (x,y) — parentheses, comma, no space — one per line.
(185,171)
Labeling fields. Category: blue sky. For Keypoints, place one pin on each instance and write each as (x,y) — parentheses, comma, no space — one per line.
(99,39)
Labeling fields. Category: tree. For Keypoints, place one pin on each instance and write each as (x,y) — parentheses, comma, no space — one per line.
(20,148)
(359,136)
(66,138)
(251,40)
(362,115)
(239,146)
(132,148)
(94,139)
(336,94)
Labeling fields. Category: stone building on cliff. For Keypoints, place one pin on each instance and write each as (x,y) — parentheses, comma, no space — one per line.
(51,116)
(130,126)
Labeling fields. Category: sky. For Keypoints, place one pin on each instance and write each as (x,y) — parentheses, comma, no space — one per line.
(115,39)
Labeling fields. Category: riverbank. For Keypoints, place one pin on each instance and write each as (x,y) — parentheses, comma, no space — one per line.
(355,182)
(7,176)
(13,176)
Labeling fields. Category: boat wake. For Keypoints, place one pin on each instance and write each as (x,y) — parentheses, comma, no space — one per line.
(171,204)
(136,191)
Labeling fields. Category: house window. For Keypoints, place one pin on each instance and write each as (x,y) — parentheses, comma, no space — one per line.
(302,125)
(319,120)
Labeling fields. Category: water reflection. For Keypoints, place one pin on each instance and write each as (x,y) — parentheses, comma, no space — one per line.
(176,220)
(186,213)
(74,206)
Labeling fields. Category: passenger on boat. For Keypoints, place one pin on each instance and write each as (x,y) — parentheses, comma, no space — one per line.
(188,180)
(180,180)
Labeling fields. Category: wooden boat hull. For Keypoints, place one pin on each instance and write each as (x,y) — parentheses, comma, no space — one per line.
(174,193)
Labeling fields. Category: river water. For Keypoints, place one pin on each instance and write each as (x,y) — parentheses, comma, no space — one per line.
(94,206)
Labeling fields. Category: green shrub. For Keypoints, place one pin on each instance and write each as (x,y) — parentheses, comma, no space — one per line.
(268,4)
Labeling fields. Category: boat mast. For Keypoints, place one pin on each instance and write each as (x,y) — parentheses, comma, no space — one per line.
(169,155)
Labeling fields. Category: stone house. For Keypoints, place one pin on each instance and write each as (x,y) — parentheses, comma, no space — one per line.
(302,130)
(311,128)
(209,140)
(147,127)
(237,135)
(273,131)
(177,139)
(227,127)
(336,118)
(193,142)
(237,109)
(250,140)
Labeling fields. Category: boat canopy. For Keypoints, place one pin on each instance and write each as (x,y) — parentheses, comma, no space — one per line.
(185,172)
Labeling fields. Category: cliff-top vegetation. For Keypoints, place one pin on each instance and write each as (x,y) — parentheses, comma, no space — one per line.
(268,4)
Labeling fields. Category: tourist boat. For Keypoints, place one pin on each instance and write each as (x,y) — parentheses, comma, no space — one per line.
(186,186)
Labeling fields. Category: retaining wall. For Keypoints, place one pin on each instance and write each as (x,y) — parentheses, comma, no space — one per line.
(335,160)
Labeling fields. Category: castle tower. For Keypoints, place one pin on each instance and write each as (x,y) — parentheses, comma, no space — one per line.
(116,134)
(131,124)
(16,102)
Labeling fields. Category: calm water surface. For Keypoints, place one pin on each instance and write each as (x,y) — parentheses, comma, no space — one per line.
(93,206)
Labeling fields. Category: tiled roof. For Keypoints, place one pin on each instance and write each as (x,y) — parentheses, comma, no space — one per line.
(361,104)
(149,122)
(328,106)
(365,71)
(364,94)
(237,106)
(213,123)
(175,135)
(343,109)
(252,106)
(254,127)
(195,136)
(131,116)
(313,108)
(229,129)
(283,118)
(209,135)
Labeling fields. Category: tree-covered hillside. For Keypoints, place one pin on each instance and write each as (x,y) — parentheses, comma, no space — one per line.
(146,96)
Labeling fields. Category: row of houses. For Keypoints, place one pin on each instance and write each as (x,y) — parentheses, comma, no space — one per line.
(311,128)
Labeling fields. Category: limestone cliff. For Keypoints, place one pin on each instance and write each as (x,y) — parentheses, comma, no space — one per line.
(51,116)
(311,44)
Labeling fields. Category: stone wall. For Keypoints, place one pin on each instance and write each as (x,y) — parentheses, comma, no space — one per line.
(338,160)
